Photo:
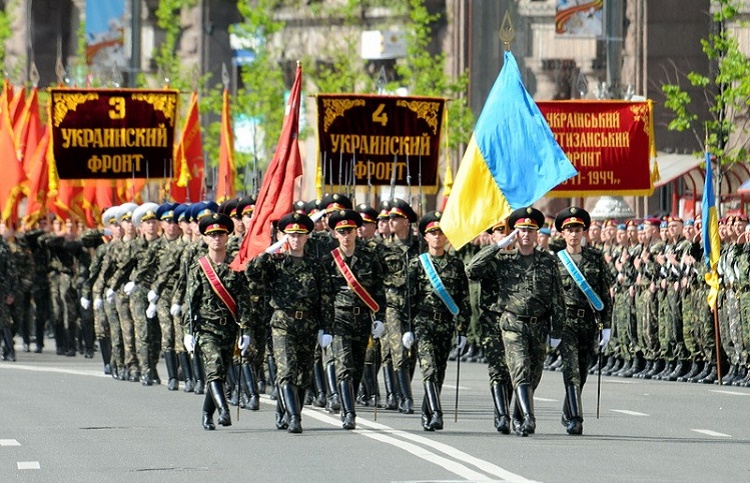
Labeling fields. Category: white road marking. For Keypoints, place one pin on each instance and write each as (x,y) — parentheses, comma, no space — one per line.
(629,413)
(708,432)
(28,465)
(385,434)
(733,393)
(453,386)
(9,442)
(54,369)
(544,399)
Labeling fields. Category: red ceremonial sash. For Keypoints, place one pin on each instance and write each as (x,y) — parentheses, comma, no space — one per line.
(218,287)
(352,281)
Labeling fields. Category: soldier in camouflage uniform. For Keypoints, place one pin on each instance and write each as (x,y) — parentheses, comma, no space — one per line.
(492,336)
(403,245)
(583,330)
(623,303)
(90,241)
(301,298)
(23,260)
(647,305)
(7,268)
(741,287)
(530,299)
(356,276)
(219,315)
(160,290)
(40,292)
(440,304)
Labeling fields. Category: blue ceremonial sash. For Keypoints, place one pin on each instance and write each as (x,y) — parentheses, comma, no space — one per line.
(580,280)
(437,284)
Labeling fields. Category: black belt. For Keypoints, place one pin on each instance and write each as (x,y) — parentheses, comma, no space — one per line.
(296,314)
(577,312)
(527,318)
(435,314)
(356,310)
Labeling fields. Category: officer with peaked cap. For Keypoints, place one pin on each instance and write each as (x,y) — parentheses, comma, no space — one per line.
(301,301)
(582,335)
(530,306)
(219,304)
(440,313)
(384,210)
(369,221)
(334,201)
(358,301)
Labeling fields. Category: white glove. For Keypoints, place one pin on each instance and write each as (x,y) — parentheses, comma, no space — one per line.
(408,340)
(152,296)
(128,288)
(554,343)
(175,310)
(243,344)
(460,342)
(377,329)
(606,333)
(189,342)
(98,303)
(110,295)
(324,340)
(151,311)
(85,303)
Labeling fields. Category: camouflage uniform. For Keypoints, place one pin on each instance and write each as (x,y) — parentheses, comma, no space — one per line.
(123,264)
(63,268)
(40,291)
(23,260)
(7,268)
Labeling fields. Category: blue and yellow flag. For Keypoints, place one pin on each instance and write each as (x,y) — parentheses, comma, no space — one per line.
(512,160)
(711,239)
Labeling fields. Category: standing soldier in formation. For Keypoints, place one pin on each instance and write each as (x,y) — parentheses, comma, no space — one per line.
(531,301)
(20,310)
(300,296)
(440,301)
(356,276)
(6,298)
(586,281)
(218,314)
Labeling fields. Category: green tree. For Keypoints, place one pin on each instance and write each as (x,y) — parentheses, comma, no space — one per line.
(726,92)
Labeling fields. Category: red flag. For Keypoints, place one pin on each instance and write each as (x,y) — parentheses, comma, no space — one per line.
(28,129)
(38,182)
(12,176)
(67,201)
(98,195)
(276,193)
(187,178)
(225,184)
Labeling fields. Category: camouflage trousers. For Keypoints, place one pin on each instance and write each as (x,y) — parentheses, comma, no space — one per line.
(730,324)
(130,358)
(525,348)
(64,301)
(690,326)
(623,322)
(147,332)
(743,324)
(294,342)
(494,348)
(391,348)
(350,337)
(435,341)
(705,324)
(115,332)
(40,292)
(578,346)
(172,332)
(670,325)
(216,352)
(647,311)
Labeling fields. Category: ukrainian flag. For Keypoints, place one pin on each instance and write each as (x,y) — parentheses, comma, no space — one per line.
(711,239)
(512,160)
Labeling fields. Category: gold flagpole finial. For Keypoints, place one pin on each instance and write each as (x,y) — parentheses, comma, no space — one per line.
(507,33)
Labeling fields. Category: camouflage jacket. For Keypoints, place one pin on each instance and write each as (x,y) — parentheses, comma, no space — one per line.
(368,269)
(169,268)
(147,254)
(595,271)
(8,269)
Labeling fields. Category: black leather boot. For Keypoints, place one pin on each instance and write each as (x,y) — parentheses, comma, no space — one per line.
(217,392)
(624,368)
(525,398)
(729,376)
(635,367)
(680,368)
(500,398)
(711,377)
(348,415)
(656,368)
(170,358)
(740,375)
(291,403)
(250,388)
(233,392)
(105,347)
(644,370)
(319,380)
(433,401)
(517,417)
(9,354)
(612,361)
(333,404)
(695,369)
(703,373)
(389,379)
(208,413)
(573,400)
(407,401)
(272,377)
(367,385)
(199,373)
(557,364)
(282,418)
(187,371)
(426,416)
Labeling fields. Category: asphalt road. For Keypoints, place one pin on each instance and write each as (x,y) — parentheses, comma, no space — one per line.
(62,420)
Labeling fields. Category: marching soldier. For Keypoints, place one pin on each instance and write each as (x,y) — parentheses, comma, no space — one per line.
(531,301)
(7,268)
(440,303)
(300,296)
(586,281)
(218,314)
(356,276)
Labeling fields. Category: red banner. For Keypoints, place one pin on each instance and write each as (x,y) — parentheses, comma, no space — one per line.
(610,143)
(379,140)
(113,133)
